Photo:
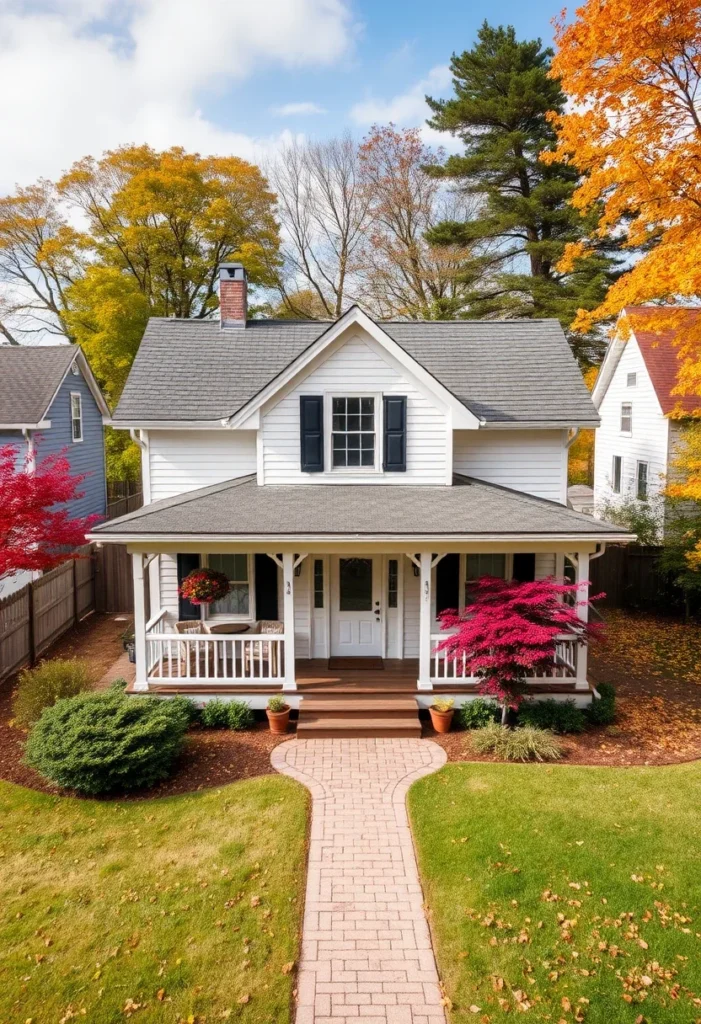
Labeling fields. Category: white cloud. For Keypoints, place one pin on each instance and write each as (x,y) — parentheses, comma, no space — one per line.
(81,76)
(292,109)
(407,108)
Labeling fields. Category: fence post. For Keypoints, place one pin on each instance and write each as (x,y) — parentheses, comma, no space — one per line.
(74,577)
(31,625)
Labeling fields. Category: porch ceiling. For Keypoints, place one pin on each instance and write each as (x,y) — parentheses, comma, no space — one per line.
(239,509)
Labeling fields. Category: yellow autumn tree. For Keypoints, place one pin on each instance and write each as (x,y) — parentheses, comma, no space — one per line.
(632,71)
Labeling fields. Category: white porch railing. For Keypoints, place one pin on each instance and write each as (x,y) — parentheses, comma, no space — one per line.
(256,659)
(454,670)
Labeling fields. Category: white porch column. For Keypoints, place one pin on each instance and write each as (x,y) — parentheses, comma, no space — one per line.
(583,612)
(137,562)
(424,680)
(288,590)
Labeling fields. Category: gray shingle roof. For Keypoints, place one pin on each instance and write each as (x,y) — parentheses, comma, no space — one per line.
(504,371)
(240,508)
(29,378)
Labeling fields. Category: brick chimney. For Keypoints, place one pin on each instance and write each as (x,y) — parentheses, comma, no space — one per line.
(233,295)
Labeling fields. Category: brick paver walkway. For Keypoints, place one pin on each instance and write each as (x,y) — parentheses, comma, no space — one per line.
(366,947)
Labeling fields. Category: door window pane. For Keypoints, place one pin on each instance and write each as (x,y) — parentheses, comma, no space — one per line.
(392,582)
(318,583)
(355,581)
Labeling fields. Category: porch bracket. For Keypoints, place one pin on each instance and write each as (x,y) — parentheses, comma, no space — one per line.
(278,561)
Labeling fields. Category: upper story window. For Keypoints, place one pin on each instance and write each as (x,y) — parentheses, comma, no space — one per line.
(353,432)
(632,380)
(76,417)
(641,481)
(616,473)
(626,418)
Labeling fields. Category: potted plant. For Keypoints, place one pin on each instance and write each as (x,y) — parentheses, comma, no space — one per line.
(202,586)
(278,713)
(442,713)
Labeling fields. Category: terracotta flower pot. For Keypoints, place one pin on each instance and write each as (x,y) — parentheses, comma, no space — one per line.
(441,720)
(278,721)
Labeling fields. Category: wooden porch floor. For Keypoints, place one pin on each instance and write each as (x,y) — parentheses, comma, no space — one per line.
(314,677)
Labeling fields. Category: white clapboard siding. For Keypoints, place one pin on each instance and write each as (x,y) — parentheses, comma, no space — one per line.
(649,439)
(411,611)
(357,367)
(183,460)
(533,461)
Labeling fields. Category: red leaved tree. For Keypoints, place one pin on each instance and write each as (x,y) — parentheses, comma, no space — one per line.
(36,528)
(508,633)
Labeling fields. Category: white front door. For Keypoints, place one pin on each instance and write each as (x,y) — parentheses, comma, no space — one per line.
(356,613)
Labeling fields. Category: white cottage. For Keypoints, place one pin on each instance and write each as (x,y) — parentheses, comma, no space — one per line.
(351,478)
(641,417)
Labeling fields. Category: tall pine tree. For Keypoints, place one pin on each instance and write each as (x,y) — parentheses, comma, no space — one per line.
(503,94)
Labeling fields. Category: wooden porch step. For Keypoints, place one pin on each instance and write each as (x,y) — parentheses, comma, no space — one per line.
(312,728)
(352,716)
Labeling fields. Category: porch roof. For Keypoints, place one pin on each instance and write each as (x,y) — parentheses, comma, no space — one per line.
(240,509)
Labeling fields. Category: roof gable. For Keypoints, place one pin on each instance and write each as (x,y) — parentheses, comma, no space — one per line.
(659,352)
(506,372)
(30,378)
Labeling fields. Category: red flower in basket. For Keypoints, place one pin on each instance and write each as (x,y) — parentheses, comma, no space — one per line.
(202,586)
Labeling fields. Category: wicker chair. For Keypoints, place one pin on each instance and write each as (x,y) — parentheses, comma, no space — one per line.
(259,648)
(188,627)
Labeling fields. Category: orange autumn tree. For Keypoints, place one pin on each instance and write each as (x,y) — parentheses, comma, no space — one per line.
(632,71)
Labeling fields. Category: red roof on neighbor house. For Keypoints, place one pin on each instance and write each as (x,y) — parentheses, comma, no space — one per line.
(660,354)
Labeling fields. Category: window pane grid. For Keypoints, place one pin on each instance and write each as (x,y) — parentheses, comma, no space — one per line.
(353,426)
(392,582)
(235,568)
(477,566)
(318,583)
(626,418)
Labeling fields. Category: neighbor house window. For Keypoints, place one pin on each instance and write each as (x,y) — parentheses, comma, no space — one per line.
(235,568)
(76,417)
(641,481)
(392,583)
(632,380)
(616,473)
(318,583)
(626,418)
(353,432)
(477,566)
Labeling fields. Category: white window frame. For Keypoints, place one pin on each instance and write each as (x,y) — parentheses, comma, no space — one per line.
(76,395)
(638,467)
(616,490)
(250,616)
(632,380)
(329,431)
(629,431)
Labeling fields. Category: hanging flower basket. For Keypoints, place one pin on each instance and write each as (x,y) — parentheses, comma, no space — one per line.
(202,586)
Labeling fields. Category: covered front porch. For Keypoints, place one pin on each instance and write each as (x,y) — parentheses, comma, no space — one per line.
(349,620)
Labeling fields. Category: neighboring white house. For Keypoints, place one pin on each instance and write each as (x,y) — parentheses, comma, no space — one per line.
(352,478)
(641,418)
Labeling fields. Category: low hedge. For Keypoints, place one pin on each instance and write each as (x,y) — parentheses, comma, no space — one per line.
(557,716)
(474,714)
(106,742)
(603,710)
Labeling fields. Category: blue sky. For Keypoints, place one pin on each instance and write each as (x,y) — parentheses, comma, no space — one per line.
(80,76)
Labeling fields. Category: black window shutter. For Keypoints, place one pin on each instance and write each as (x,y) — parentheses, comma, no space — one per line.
(311,422)
(524,567)
(186,564)
(448,583)
(394,460)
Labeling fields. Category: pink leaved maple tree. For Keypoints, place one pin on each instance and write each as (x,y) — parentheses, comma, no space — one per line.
(37,531)
(508,632)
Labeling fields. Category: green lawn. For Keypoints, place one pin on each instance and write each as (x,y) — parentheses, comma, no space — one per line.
(574,892)
(184,909)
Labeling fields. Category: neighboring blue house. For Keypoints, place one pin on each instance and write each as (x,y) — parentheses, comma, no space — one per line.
(49,402)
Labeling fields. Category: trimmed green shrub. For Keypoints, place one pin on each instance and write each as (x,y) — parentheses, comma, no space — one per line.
(240,715)
(523,744)
(41,687)
(215,715)
(107,742)
(558,716)
(603,711)
(476,713)
(192,713)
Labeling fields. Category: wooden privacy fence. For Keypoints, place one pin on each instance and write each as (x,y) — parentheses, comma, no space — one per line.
(631,577)
(33,617)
